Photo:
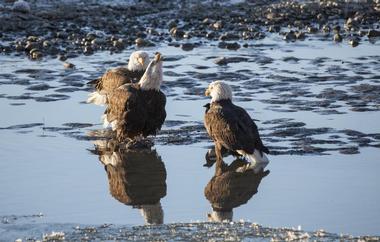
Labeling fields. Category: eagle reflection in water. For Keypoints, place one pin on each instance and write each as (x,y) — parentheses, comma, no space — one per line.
(136,177)
(230,189)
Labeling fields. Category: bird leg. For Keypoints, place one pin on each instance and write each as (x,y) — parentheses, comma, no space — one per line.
(220,166)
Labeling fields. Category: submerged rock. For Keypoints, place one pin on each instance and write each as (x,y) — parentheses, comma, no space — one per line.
(21,6)
(373,33)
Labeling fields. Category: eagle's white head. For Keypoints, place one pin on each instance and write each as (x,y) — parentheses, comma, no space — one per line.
(219,90)
(153,76)
(138,61)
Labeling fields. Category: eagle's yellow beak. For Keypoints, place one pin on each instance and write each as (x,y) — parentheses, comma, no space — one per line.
(207,92)
(141,61)
(158,56)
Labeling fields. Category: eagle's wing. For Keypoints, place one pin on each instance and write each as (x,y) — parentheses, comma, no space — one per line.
(127,109)
(155,103)
(247,124)
(113,79)
(233,128)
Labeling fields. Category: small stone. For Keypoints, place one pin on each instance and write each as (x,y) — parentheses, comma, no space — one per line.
(21,6)
(176,32)
(326,29)
(290,36)
(30,45)
(32,38)
(233,46)
(210,35)
(300,35)
(274,29)
(68,65)
(336,29)
(354,42)
(19,47)
(221,61)
(222,45)
(338,37)
(46,44)
(143,43)
(172,24)
(187,46)
(118,43)
(62,57)
(88,50)
(228,36)
(35,55)
(217,25)
(373,33)
(312,30)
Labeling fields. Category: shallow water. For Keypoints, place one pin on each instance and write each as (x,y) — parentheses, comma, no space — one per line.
(48,169)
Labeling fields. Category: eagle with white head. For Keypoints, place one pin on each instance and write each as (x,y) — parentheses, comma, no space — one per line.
(138,109)
(114,78)
(231,128)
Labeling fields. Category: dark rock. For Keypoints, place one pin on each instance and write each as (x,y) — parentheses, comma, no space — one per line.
(336,29)
(290,36)
(373,33)
(354,42)
(338,37)
(176,32)
(143,43)
(326,29)
(300,35)
(187,46)
(312,30)
(68,65)
(233,46)
(228,37)
(274,29)
(217,25)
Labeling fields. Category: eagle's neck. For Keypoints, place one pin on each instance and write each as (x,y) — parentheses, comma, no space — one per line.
(149,84)
(221,101)
(152,78)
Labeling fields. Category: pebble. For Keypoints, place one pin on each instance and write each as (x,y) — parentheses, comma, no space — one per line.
(373,33)
(354,42)
(338,37)
(21,6)
(143,43)
(68,65)
(177,33)
(187,46)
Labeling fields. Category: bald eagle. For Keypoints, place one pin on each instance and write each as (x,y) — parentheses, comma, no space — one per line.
(138,109)
(114,78)
(232,128)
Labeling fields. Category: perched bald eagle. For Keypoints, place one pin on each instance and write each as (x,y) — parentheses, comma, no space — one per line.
(138,109)
(114,78)
(232,128)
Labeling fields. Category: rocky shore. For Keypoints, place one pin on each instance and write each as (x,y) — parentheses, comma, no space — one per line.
(66,29)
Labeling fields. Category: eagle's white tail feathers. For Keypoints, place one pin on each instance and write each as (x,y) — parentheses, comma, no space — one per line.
(257,162)
(97,98)
(110,159)
(114,125)
(100,143)
(105,121)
